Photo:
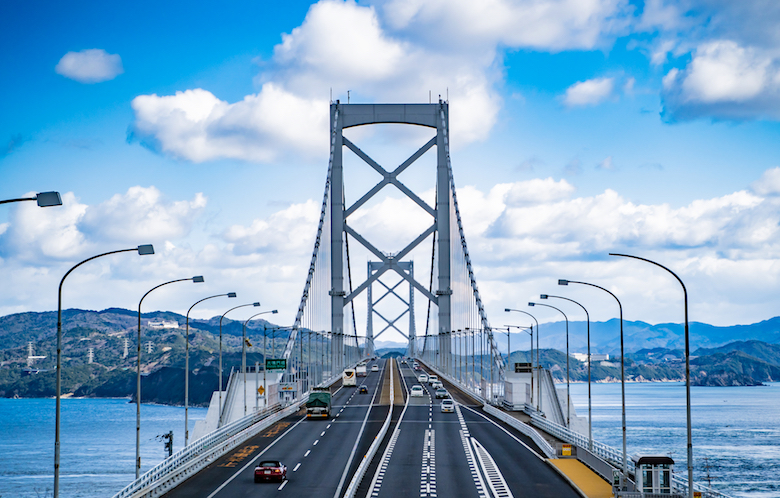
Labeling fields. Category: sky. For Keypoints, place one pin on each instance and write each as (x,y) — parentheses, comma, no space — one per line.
(578,128)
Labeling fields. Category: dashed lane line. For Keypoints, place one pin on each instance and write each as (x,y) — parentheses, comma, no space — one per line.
(464,439)
(297,467)
(283,484)
(428,471)
(307,453)
(490,470)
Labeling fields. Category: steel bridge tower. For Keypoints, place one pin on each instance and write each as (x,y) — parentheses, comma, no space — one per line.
(408,267)
(343,116)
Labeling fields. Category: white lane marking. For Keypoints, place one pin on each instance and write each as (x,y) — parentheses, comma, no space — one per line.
(283,484)
(323,433)
(252,461)
(540,457)
(494,477)
(315,442)
(475,475)
(328,427)
(307,453)
(428,472)
(296,467)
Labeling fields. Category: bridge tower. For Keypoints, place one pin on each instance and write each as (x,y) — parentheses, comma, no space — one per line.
(408,267)
(343,116)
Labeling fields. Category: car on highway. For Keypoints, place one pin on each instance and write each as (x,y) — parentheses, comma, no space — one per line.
(432,379)
(270,470)
(363,389)
(417,391)
(442,393)
(375,368)
(423,378)
(436,384)
(447,405)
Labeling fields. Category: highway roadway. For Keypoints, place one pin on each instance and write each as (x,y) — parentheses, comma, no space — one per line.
(427,454)
(316,452)
(463,454)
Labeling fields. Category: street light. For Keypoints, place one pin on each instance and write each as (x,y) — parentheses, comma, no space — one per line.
(187,366)
(219,423)
(44,199)
(687,368)
(622,367)
(142,250)
(587,316)
(538,365)
(243,351)
(568,396)
(197,280)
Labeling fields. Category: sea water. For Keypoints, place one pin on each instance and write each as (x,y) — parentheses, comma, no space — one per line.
(97,444)
(735,430)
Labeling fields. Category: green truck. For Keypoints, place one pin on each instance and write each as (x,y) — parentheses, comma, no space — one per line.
(318,405)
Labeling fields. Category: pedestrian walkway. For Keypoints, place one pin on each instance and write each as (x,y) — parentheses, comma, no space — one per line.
(590,483)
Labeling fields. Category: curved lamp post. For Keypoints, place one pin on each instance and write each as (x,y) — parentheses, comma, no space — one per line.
(687,368)
(196,280)
(587,316)
(622,366)
(538,364)
(257,304)
(142,250)
(44,199)
(243,351)
(187,366)
(568,396)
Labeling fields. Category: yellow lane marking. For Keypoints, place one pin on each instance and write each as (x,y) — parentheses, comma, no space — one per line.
(239,455)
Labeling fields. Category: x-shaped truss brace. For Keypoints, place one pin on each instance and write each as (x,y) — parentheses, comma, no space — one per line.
(390,324)
(390,262)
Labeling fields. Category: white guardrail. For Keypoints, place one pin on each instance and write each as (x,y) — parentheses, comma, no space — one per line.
(189,460)
(537,438)
(363,467)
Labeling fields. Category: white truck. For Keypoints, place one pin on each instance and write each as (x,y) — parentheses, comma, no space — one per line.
(361,370)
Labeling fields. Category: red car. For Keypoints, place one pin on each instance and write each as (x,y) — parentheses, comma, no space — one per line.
(270,470)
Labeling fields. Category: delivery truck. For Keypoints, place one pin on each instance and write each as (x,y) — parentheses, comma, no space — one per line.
(318,405)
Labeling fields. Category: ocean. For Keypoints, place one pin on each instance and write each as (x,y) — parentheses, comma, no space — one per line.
(735,430)
(736,436)
(97,444)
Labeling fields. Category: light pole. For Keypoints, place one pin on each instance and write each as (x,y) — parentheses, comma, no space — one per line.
(538,365)
(568,396)
(622,367)
(243,352)
(530,351)
(187,366)
(687,368)
(219,423)
(143,250)
(587,317)
(44,199)
(197,280)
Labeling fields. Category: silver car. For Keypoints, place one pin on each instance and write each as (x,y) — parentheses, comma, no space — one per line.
(447,405)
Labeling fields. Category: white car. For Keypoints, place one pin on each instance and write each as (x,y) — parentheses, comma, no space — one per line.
(436,384)
(433,378)
(375,368)
(447,405)
(417,391)
(423,378)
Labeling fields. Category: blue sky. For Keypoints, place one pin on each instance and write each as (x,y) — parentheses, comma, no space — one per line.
(577,128)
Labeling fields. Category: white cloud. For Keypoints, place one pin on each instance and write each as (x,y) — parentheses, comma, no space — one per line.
(725,80)
(397,52)
(90,66)
(768,184)
(606,164)
(141,215)
(197,126)
(589,92)
(48,236)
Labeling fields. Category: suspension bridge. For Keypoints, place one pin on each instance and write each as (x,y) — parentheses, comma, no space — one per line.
(502,439)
